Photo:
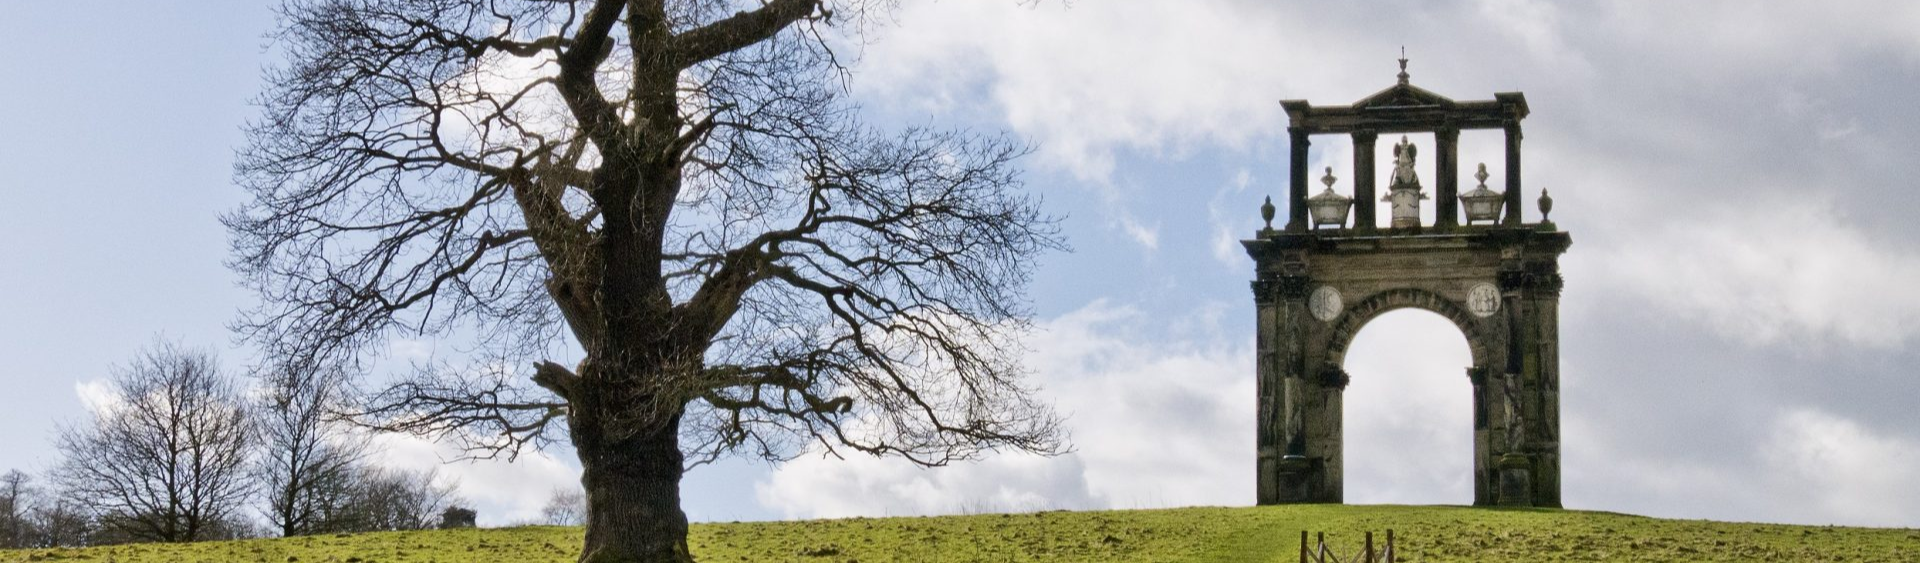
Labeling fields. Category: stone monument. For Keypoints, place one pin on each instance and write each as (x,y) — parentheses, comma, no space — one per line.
(1498,281)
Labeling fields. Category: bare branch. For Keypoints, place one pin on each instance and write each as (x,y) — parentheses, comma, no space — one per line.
(578,67)
(738,32)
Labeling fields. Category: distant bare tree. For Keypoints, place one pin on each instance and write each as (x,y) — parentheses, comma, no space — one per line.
(679,187)
(394,499)
(567,507)
(168,460)
(61,522)
(307,467)
(16,517)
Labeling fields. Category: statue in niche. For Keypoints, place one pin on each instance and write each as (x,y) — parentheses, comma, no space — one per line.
(1404,192)
(1516,418)
(1269,420)
(1404,178)
(1296,429)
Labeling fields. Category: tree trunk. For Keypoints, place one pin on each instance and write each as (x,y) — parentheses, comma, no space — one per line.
(633,495)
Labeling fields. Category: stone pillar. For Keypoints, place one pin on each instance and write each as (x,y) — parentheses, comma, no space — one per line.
(1483,476)
(1363,200)
(1513,205)
(1268,391)
(1330,448)
(1543,308)
(1301,463)
(1514,486)
(1446,208)
(1297,181)
(1296,473)
(1529,445)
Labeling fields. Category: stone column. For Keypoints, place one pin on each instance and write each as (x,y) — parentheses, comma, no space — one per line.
(1482,452)
(1513,205)
(1297,184)
(1295,470)
(1544,310)
(1513,465)
(1266,380)
(1330,446)
(1446,208)
(1363,200)
(1299,469)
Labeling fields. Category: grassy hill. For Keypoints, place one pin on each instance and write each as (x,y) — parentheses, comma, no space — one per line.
(1425,533)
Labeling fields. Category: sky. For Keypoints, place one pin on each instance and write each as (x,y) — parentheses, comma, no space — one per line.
(1737,328)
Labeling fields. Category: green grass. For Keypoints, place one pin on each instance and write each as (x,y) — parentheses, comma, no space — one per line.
(1424,533)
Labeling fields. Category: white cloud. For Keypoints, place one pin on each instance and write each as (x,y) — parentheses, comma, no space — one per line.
(1087,78)
(503,492)
(1230,222)
(824,487)
(1805,466)
(1534,23)
(1798,34)
(1154,423)
(1160,422)
(1226,246)
(97,395)
(1609,469)
(1147,236)
(1832,469)
(410,350)
(1769,270)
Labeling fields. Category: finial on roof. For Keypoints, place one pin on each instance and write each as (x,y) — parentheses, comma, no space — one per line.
(1403,64)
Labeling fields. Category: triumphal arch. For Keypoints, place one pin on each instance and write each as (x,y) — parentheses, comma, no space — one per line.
(1494,275)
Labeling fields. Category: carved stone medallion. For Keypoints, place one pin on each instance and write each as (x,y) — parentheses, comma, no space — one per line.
(1325,303)
(1483,300)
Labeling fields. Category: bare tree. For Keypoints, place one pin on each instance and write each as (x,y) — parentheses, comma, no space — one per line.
(680,186)
(16,518)
(307,466)
(567,507)
(393,499)
(61,522)
(167,460)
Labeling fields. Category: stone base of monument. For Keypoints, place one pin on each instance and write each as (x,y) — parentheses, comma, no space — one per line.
(1516,483)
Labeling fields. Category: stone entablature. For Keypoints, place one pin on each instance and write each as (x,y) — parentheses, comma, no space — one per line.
(1404,108)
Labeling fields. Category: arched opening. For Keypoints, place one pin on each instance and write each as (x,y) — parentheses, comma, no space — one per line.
(1408,412)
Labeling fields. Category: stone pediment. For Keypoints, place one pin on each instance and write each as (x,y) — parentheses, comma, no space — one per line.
(1403,95)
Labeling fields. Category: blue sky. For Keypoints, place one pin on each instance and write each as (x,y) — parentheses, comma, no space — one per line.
(1737,329)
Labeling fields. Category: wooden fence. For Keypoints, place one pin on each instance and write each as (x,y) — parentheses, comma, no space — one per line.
(1320,553)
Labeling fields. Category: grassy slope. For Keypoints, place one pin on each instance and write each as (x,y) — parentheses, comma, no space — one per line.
(1187,534)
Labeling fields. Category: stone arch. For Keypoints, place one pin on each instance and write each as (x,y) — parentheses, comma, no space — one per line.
(1297,370)
(1356,317)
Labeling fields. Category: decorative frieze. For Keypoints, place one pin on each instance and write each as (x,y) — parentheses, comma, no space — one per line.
(1294,287)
